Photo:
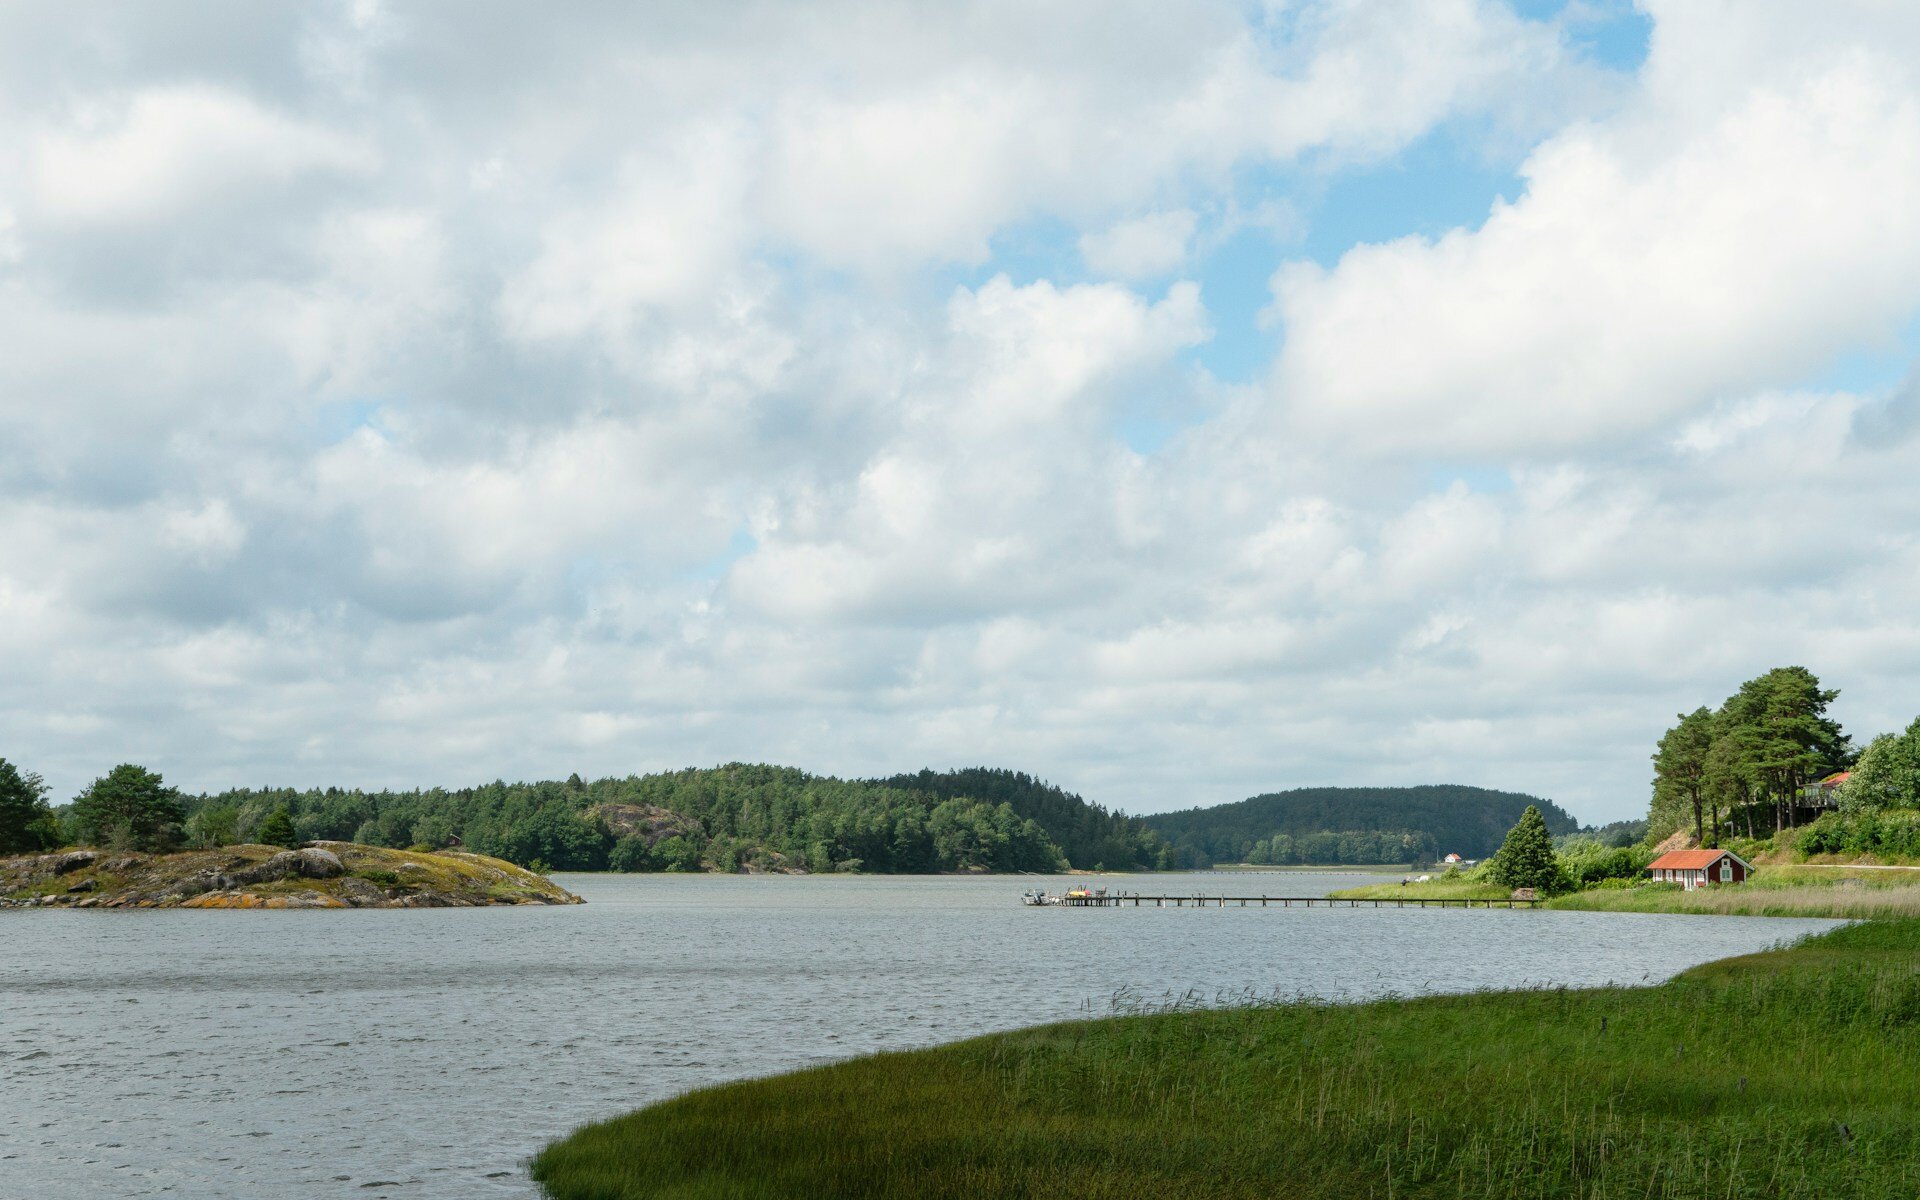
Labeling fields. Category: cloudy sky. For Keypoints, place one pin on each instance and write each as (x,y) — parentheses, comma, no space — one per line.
(1176,401)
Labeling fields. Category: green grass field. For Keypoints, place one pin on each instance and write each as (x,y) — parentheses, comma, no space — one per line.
(1794,1073)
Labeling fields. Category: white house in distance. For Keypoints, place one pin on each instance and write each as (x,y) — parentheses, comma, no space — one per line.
(1697,868)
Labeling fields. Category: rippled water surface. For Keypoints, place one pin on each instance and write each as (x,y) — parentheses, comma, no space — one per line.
(427,1053)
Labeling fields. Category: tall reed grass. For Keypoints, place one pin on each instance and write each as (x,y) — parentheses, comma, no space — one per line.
(1794,1073)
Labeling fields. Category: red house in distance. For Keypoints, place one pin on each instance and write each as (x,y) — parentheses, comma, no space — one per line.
(1696,868)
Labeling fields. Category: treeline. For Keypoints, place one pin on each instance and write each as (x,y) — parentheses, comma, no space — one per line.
(1088,834)
(1753,762)
(739,816)
(1355,846)
(1352,825)
(735,817)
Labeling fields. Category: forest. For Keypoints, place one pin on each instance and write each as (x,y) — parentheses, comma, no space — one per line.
(1358,825)
(735,817)
(757,817)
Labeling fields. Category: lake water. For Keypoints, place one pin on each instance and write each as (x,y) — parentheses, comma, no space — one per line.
(428,1053)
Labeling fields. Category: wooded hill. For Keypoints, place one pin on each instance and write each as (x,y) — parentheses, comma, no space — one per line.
(725,818)
(1351,825)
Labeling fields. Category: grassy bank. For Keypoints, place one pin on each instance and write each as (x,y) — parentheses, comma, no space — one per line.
(1860,894)
(1790,1073)
(1855,892)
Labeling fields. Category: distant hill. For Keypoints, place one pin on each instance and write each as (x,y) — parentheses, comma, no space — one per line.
(1352,825)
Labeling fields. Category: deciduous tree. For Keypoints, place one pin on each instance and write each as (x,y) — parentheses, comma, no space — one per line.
(1887,775)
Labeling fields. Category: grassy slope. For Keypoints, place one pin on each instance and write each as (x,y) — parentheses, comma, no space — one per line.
(1794,1073)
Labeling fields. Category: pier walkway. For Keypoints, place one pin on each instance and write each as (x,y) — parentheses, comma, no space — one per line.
(1136,900)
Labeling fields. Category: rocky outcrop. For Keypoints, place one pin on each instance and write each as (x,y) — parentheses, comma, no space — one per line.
(651,823)
(308,862)
(319,875)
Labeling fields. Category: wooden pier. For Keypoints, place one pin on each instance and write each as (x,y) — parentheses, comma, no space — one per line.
(1124,899)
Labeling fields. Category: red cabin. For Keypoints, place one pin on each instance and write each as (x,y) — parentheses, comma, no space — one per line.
(1696,868)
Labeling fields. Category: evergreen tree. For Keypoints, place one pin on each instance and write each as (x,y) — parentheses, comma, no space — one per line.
(24,815)
(277,829)
(1526,859)
(1731,779)
(1680,769)
(129,808)
(1791,740)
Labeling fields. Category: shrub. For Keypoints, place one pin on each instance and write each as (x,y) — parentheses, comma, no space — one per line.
(1893,833)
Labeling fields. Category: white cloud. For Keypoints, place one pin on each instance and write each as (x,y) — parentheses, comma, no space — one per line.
(164,151)
(1140,247)
(1681,253)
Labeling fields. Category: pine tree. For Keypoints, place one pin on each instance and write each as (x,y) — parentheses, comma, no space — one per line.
(1526,860)
(129,808)
(23,809)
(277,829)
(1680,769)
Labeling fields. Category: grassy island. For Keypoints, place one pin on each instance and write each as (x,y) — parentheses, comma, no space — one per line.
(319,875)
(1790,1073)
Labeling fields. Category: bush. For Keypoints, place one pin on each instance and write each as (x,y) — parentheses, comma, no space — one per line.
(1893,833)
(1593,864)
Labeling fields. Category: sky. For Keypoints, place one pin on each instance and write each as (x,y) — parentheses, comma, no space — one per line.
(1176,401)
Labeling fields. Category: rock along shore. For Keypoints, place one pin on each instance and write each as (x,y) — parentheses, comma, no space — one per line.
(317,875)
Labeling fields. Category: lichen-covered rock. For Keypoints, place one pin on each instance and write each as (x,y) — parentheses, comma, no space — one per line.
(65,864)
(309,863)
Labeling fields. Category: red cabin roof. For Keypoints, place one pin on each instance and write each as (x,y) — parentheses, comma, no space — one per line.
(1688,860)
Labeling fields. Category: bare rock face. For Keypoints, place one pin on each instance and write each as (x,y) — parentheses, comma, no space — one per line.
(649,822)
